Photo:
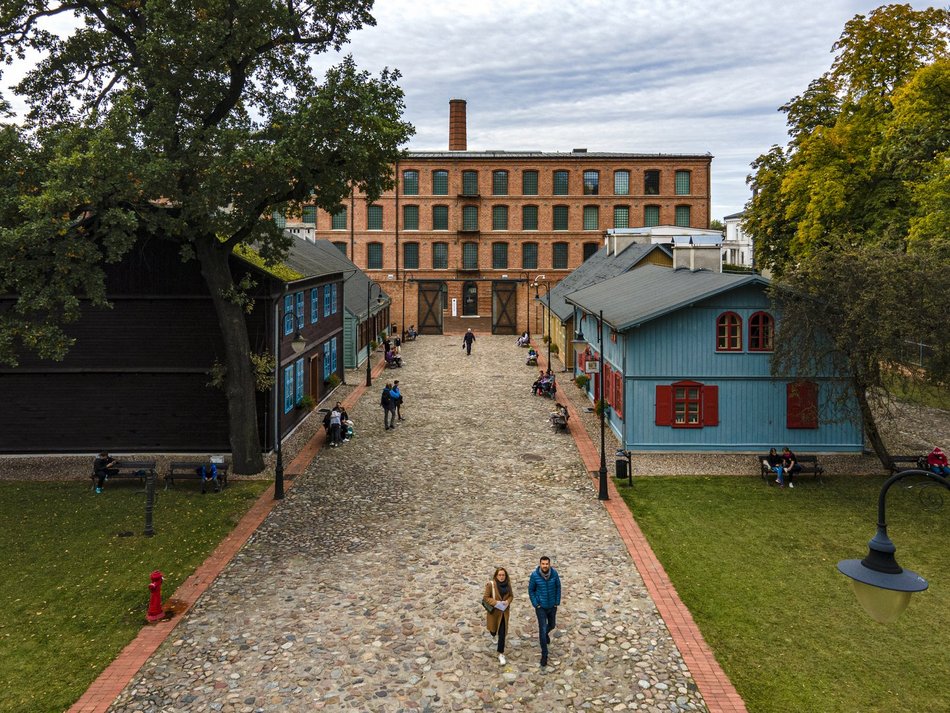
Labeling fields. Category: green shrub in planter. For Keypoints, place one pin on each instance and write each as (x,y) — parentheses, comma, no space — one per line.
(333,381)
(373,345)
(582,380)
(307,403)
(555,348)
(601,405)
(546,339)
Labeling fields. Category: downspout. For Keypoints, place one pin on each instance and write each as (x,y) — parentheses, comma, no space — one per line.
(352,221)
(397,237)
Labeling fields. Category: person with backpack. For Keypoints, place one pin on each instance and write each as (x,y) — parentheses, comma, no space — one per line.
(389,407)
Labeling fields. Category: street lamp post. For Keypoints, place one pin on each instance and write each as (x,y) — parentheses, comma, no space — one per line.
(602,492)
(379,301)
(881,585)
(299,345)
(527,302)
(538,281)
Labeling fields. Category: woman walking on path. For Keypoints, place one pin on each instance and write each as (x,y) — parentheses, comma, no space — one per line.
(498,596)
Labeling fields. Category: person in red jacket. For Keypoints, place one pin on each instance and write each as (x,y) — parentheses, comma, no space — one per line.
(937,463)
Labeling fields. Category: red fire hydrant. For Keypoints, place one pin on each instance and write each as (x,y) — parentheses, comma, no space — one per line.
(155,611)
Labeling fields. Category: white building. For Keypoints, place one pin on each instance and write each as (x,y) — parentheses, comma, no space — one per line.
(737,246)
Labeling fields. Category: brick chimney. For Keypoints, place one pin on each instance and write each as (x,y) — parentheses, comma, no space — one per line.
(457,140)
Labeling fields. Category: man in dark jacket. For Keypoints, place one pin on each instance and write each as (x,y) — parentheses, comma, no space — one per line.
(544,590)
(103,466)
(467,341)
(389,407)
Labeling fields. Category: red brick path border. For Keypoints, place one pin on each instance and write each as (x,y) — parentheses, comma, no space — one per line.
(111,682)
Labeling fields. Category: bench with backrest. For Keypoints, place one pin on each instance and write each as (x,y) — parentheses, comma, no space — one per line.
(192,470)
(899,463)
(128,469)
(558,421)
(809,465)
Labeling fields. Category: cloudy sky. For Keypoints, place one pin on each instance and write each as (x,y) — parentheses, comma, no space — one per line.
(609,75)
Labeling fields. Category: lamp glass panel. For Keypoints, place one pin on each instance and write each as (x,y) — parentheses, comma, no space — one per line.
(882,605)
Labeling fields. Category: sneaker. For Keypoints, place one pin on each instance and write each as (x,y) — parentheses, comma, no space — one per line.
(502,660)
(544,661)
(98,491)
(791,485)
(346,440)
(778,481)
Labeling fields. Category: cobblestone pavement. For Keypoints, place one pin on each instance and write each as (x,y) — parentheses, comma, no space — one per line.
(360,592)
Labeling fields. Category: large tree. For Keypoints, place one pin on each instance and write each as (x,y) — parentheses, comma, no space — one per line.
(850,216)
(190,120)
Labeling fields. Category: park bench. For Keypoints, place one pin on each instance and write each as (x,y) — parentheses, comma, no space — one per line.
(899,463)
(809,464)
(192,470)
(128,469)
(558,421)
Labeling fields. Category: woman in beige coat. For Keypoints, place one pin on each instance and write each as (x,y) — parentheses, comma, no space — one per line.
(498,595)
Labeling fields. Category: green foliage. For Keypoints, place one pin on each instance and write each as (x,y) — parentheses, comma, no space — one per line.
(582,380)
(601,406)
(307,403)
(263,365)
(333,381)
(74,594)
(756,567)
(555,348)
(717,225)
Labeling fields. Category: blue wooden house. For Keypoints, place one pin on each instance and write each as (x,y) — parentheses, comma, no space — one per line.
(686,366)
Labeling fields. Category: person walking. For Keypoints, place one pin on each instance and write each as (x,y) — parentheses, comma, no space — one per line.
(397,399)
(544,591)
(467,341)
(498,596)
(389,408)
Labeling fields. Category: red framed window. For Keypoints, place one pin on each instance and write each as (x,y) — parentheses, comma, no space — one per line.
(801,403)
(687,404)
(729,332)
(761,332)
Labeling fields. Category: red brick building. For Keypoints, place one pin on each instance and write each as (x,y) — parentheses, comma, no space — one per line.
(466,230)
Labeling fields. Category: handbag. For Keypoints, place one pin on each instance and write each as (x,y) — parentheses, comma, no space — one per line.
(488,607)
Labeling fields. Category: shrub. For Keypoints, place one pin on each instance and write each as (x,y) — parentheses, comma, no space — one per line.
(555,348)
(582,380)
(333,381)
(307,403)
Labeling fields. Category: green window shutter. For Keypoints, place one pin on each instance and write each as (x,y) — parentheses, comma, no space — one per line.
(280,220)
(470,183)
(591,217)
(440,183)
(499,256)
(410,217)
(529,256)
(651,183)
(560,217)
(440,256)
(470,217)
(682,183)
(622,183)
(651,215)
(529,217)
(499,217)
(410,183)
(470,256)
(682,216)
(499,183)
(309,214)
(440,217)
(338,222)
(410,256)
(591,183)
(374,256)
(374,217)
(560,183)
(529,183)
(559,261)
(621,216)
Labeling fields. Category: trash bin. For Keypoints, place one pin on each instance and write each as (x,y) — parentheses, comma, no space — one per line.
(621,467)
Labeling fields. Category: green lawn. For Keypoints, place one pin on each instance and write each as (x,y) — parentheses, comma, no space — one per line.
(73,593)
(756,567)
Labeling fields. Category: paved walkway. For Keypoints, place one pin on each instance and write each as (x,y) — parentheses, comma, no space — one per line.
(361,590)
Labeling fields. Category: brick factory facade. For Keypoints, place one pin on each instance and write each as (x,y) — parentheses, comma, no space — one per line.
(455,244)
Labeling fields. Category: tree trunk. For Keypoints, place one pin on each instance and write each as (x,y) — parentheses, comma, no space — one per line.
(870,425)
(239,382)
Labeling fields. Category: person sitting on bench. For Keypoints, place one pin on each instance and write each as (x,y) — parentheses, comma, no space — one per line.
(937,463)
(559,416)
(791,466)
(393,360)
(774,463)
(103,467)
(532,358)
(411,333)
(523,340)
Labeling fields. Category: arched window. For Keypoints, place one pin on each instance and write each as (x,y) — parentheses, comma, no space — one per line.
(761,332)
(729,332)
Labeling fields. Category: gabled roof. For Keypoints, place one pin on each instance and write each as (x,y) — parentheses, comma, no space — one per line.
(354,280)
(317,259)
(598,267)
(734,215)
(642,295)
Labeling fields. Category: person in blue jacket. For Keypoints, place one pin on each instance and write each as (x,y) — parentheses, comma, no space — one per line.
(544,590)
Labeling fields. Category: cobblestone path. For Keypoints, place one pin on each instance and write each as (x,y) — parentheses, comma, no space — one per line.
(360,592)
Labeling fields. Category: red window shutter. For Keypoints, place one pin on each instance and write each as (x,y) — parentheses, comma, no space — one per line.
(801,404)
(664,405)
(618,404)
(710,406)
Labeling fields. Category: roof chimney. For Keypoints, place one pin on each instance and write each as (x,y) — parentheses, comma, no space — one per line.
(457,140)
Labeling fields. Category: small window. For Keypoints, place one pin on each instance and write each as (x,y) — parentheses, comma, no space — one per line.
(801,402)
(374,256)
(591,183)
(499,217)
(559,256)
(341,247)
(440,256)
(338,222)
(622,183)
(761,332)
(499,183)
(560,217)
(729,332)
(469,256)
(314,305)
(440,183)
(529,217)
(327,361)
(651,215)
(590,249)
(410,183)
(440,217)
(334,301)
(651,183)
(280,220)
(288,314)
(682,183)
(470,183)
(529,183)
(470,217)
(499,256)
(560,183)
(288,388)
(621,216)
(687,404)
(309,215)
(327,301)
(298,377)
(410,256)
(529,256)
(374,217)
(591,217)
(410,217)
(682,216)
(298,297)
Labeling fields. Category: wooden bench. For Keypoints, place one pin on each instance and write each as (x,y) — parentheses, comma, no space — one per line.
(809,465)
(128,469)
(899,463)
(191,470)
(558,421)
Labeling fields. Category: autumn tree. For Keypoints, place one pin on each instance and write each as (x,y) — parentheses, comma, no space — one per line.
(191,121)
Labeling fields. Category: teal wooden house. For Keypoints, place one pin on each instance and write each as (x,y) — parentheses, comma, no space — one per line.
(686,367)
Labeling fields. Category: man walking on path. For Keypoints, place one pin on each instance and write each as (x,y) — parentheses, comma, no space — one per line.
(544,590)
(389,407)
(467,341)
